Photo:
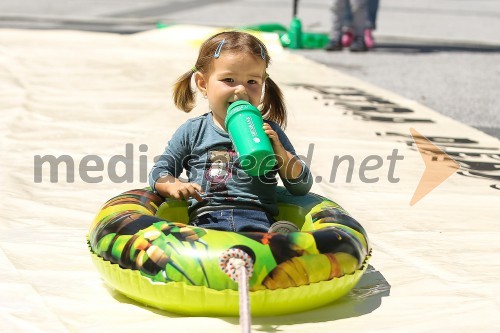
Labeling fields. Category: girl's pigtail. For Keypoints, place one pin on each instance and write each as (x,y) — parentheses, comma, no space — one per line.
(273,105)
(184,95)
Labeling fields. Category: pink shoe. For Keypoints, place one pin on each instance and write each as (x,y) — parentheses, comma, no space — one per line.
(347,38)
(369,40)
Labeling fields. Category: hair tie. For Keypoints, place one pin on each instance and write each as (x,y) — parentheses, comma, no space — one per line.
(194,69)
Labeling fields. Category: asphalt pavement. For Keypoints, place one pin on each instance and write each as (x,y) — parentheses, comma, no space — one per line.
(443,54)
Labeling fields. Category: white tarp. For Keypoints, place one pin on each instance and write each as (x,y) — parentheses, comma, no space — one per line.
(435,265)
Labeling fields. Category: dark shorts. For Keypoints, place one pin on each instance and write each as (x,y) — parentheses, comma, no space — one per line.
(237,220)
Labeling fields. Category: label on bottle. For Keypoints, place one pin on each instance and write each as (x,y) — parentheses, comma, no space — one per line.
(251,127)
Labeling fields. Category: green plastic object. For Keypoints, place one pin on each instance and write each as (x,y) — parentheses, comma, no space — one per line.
(267,27)
(293,38)
(295,34)
(161,25)
(244,125)
(301,39)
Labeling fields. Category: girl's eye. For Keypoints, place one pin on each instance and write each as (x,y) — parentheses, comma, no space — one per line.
(228,80)
(252,82)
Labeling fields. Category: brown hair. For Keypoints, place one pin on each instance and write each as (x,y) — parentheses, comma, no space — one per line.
(273,106)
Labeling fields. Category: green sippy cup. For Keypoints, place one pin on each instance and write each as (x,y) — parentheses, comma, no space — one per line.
(244,125)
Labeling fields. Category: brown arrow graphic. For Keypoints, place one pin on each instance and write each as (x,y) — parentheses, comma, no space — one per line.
(438,166)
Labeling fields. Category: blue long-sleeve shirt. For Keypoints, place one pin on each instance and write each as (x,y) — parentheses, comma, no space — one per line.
(207,154)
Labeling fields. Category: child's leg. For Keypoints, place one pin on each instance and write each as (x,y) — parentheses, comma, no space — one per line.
(236,220)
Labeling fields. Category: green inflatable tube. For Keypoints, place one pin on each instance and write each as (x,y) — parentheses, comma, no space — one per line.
(143,247)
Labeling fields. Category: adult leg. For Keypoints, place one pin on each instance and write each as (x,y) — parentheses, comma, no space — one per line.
(337,11)
(347,35)
(372,14)
(359,19)
(371,24)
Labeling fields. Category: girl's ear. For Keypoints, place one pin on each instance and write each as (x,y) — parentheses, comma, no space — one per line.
(201,83)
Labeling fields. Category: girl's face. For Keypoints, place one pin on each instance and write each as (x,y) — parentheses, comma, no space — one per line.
(232,77)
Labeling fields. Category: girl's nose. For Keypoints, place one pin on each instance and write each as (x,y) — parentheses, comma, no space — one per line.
(241,93)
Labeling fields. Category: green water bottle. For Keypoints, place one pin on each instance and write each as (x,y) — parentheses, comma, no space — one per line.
(295,33)
(244,125)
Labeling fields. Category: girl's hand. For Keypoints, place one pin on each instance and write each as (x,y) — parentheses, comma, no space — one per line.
(279,150)
(289,166)
(185,191)
(171,187)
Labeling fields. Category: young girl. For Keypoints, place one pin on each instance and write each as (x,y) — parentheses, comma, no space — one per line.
(231,66)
